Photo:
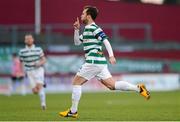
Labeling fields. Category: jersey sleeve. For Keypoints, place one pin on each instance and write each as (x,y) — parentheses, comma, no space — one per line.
(99,34)
(81,38)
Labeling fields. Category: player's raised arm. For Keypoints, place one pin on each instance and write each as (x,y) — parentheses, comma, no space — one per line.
(76,32)
(112,59)
(76,24)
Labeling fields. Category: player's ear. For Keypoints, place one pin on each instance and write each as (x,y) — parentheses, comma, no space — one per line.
(88,16)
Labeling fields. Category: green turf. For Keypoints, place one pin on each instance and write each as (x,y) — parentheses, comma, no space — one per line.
(110,106)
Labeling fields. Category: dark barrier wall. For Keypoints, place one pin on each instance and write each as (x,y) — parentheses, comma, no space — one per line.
(165,20)
(16,11)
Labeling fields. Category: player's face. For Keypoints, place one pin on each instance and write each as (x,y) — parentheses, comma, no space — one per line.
(84,16)
(29,40)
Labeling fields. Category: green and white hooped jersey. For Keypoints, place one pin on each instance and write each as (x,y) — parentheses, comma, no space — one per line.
(92,39)
(30,56)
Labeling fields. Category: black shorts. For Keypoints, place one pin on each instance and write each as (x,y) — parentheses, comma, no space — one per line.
(14,78)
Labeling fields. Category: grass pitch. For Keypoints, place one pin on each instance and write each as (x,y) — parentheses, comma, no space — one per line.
(110,106)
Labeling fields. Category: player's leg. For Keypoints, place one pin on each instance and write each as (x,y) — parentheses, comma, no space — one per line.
(42,95)
(126,86)
(22,85)
(76,92)
(13,85)
(109,82)
(87,72)
(76,95)
(39,79)
(32,81)
(119,85)
(39,89)
(36,79)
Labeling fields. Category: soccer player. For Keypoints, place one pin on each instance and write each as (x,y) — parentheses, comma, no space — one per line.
(95,62)
(17,74)
(33,59)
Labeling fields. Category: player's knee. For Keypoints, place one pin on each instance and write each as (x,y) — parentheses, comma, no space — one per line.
(78,81)
(35,91)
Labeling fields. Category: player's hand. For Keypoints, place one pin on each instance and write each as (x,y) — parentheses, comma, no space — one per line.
(112,60)
(76,24)
(37,65)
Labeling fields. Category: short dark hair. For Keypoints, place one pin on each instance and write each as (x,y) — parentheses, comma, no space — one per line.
(92,11)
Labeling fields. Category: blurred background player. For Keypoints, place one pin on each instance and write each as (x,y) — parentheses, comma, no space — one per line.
(17,75)
(95,62)
(33,59)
